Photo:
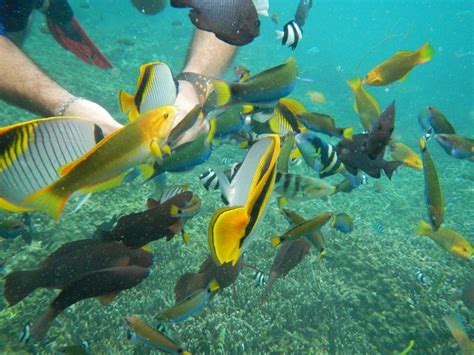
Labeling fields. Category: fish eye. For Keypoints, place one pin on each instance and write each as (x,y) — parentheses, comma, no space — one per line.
(166,115)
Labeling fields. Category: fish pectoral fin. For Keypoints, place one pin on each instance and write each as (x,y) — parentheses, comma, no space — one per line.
(124,261)
(108,298)
(104,185)
(226,233)
(156,150)
(166,149)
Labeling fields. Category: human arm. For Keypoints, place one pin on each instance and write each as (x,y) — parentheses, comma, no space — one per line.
(23,84)
(208,56)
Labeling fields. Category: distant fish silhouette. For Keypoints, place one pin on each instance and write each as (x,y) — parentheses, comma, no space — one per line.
(378,228)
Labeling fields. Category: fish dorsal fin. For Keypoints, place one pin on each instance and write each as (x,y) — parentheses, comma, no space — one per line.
(172,191)
(108,298)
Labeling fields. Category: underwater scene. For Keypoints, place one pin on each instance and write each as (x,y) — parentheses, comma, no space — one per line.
(317,196)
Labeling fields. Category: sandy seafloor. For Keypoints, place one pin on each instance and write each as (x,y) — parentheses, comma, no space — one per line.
(364,297)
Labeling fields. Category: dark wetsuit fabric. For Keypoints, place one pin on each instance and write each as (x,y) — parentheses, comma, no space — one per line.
(14,14)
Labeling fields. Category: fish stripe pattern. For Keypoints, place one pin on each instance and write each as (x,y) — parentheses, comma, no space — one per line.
(31,153)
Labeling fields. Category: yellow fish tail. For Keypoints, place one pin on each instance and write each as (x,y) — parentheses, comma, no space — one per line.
(223,92)
(9,206)
(347,133)
(426,52)
(276,241)
(355,83)
(49,201)
(423,228)
(226,233)
(214,285)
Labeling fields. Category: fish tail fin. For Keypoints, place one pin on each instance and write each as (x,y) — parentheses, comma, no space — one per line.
(42,324)
(18,285)
(276,241)
(279,34)
(268,288)
(49,201)
(214,285)
(390,167)
(426,52)
(223,92)
(355,83)
(423,228)
(347,133)
(126,101)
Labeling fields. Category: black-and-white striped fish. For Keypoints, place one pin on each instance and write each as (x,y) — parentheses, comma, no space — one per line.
(260,278)
(31,153)
(300,187)
(172,191)
(210,180)
(291,35)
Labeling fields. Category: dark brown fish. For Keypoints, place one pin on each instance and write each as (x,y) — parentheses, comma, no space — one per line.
(290,254)
(233,21)
(381,132)
(353,154)
(106,284)
(140,228)
(225,275)
(68,263)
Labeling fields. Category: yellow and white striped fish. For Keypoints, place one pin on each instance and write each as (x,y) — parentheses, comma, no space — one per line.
(231,227)
(104,166)
(155,87)
(32,152)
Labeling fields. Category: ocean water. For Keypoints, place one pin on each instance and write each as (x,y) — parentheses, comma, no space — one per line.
(364,297)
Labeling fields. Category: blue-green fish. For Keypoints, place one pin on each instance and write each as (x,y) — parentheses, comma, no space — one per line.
(190,305)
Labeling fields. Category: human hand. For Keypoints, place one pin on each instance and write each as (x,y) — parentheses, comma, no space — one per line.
(94,113)
(186,100)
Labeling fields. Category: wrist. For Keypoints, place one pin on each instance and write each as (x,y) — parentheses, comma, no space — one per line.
(65,105)
(197,83)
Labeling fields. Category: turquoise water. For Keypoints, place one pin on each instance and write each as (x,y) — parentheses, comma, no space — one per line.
(364,297)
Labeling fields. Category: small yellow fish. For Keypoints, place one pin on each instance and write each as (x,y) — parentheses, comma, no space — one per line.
(447,239)
(365,104)
(454,323)
(155,87)
(398,66)
(104,166)
(403,153)
(316,97)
